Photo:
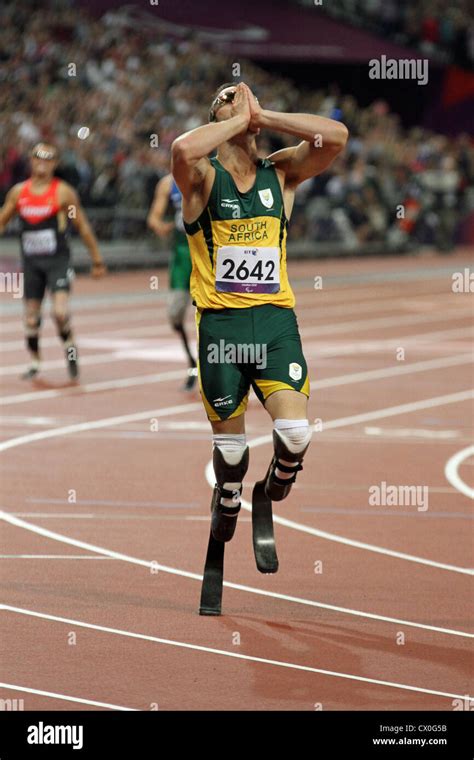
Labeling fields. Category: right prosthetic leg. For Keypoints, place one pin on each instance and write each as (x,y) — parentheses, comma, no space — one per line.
(229,468)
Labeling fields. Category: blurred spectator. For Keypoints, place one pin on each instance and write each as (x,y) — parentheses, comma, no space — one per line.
(443,30)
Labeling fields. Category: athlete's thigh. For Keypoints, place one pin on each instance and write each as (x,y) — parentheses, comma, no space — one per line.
(286,404)
(224,385)
(59,275)
(232,425)
(282,365)
(34,282)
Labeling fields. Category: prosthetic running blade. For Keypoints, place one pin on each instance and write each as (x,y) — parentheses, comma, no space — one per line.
(212,582)
(262,530)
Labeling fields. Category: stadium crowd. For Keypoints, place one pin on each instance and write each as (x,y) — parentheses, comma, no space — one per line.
(444,30)
(62,70)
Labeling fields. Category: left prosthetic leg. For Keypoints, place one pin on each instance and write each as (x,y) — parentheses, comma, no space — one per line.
(291,439)
(290,446)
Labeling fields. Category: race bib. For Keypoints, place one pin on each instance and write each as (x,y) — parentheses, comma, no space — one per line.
(248,270)
(39,242)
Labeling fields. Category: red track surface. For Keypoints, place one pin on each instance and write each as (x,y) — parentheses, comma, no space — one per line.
(143,494)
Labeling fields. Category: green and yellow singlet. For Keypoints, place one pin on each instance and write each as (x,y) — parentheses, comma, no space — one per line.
(238,244)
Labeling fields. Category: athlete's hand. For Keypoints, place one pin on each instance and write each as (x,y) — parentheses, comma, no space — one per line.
(98,269)
(240,105)
(255,111)
(162,229)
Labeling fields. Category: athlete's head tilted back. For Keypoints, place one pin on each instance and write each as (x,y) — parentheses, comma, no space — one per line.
(221,106)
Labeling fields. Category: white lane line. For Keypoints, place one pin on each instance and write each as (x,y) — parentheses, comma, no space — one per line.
(353,420)
(372,300)
(84,304)
(9,518)
(226,653)
(119,503)
(63,697)
(329,382)
(96,424)
(334,329)
(59,515)
(452,474)
(103,358)
(104,385)
(21,420)
(382,322)
(117,516)
(154,313)
(415,342)
(52,556)
(307,301)
(404,369)
(420,433)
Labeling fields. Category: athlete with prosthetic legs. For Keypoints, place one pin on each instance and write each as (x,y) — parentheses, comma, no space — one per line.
(236,208)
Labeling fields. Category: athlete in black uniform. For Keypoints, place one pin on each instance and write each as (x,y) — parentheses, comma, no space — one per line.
(44,204)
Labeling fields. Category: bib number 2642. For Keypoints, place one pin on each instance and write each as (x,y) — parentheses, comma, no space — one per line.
(248,270)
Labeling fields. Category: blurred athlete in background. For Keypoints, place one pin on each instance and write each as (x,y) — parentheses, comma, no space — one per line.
(167,194)
(44,204)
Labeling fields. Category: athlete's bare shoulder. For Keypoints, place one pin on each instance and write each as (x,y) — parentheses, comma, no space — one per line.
(9,208)
(66,193)
(14,192)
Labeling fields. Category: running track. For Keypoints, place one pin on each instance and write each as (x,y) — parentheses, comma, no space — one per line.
(105,518)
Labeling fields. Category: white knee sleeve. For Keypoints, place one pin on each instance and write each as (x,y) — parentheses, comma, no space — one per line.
(296,434)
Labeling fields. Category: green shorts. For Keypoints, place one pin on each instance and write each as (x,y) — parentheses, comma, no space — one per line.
(180,267)
(258,346)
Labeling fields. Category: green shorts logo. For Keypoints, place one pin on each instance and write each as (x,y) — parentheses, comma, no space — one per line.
(295,371)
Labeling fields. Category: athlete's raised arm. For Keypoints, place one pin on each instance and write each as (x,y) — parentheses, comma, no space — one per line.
(70,200)
(156,217)
(322,139)
(8,209)
(189,162)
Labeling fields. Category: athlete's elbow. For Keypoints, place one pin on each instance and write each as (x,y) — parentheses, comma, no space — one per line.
(340,137)
(180,153)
